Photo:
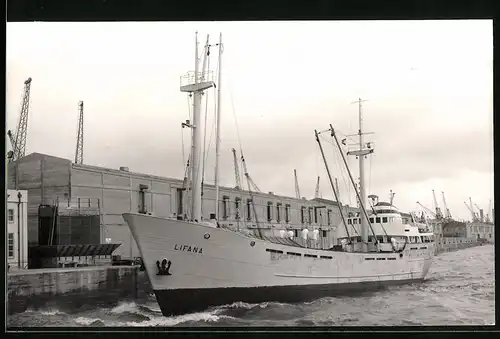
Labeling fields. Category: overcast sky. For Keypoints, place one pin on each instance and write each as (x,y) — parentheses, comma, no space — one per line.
(429,86)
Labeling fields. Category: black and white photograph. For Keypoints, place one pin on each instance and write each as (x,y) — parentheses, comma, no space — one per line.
(249,173)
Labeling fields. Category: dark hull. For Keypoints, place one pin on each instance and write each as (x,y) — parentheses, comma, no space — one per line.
(182,301)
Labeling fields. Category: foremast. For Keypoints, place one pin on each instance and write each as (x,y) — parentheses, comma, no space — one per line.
(217,138)
(195,83)
(360,154)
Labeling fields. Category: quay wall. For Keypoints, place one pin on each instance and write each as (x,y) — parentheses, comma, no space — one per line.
(447,244)
(69,289)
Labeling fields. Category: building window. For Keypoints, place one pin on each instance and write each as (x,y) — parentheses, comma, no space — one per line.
(269,211)
(11,215)
(180,202)
(142,199)
(237,204)
(329,217)
(278,214)
(287,213)
(303,214)
(10,245)
(384,219)
(249,209)
(309,214)
(225,207)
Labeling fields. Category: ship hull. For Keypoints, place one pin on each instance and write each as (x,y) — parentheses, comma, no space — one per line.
(211,266)
(182,301)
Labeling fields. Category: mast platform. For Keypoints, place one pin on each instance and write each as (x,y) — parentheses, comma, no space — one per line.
(189,83)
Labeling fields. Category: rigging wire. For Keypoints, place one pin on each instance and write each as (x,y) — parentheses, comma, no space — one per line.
(205,129)
(245,172)
(337,155)
(215,117)
(182,148)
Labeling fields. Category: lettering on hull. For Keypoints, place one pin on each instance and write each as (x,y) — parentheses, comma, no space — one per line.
(188,248)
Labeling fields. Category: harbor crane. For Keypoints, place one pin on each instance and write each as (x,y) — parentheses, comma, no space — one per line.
(439,214)
(488,219)
(480,218)
(79,137)
(338,189)
(446,209)
(428,210)
(471,210)
(10,154)
(297,189)
(249,179)
(236,170)
(18,140)
(316,192)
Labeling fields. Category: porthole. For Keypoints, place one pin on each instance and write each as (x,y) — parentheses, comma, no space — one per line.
(252,243)
(400,255)
(206,236)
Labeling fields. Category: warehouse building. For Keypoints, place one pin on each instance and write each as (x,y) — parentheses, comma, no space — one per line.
(77,204)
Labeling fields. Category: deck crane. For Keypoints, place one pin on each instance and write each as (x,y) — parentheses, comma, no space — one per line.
(79,137)
(19,139)
(236,171)
(316,192)
(297,189)
(446,209)
(428,210)
(439,214)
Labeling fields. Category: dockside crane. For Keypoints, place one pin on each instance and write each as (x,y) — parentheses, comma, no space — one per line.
(338,190)
(316,192)
(10,154)
(439,214)
(428,210)
(480,215)
(237,178)
(18,140)
(249,179)
(488,219)
(446,209)
(79,137)
(297,189)
(471,210)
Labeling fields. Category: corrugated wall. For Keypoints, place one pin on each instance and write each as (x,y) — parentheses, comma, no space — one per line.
(45,178)
(119,193)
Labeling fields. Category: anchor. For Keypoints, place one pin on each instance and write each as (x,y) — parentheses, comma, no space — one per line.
(164,269)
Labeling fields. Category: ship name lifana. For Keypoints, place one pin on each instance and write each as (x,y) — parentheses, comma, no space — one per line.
(188,248)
